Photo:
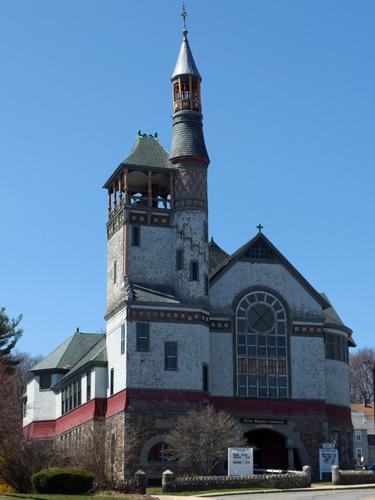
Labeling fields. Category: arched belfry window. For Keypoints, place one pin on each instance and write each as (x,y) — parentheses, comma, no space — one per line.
(262,347)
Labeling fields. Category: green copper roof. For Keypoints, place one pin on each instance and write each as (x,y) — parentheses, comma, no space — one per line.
(148,152)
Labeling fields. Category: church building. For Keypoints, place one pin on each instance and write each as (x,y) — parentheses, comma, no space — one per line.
(188,324)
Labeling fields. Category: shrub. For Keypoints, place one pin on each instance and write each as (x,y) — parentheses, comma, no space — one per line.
(62,480)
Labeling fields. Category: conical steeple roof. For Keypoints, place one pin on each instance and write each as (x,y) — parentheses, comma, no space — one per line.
(185,64)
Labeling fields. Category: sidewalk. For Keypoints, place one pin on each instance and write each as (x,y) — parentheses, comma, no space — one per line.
(257,492)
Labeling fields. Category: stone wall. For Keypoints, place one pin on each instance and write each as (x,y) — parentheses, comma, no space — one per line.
(352,476)
(293,479)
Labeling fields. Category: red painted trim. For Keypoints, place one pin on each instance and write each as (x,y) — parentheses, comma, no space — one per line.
(119,402)
(190,159)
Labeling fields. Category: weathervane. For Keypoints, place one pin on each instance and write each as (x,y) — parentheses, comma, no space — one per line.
(260,227)
(184,14)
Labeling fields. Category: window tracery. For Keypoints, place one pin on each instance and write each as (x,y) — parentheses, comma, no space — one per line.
(262,350)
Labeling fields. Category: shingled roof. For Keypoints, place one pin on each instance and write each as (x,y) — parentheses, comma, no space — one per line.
(95,356)
(69,352)
(148,152)
(216,255)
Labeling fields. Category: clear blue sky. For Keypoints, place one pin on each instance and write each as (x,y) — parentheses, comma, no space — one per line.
(289,120)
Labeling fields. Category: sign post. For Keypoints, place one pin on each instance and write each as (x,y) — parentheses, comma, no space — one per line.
(328,456)
(240,462)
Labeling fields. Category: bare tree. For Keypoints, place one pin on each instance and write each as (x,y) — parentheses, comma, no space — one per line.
(87,451)
(21,458)
(361,381)
(201,438)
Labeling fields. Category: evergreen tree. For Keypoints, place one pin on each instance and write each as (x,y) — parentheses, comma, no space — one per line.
(9,336)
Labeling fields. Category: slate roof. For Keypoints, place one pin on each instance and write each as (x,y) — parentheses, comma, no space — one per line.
(148,152)
(69,352)
(185,64)
(98,354)
(216,255)
(330,313)
(154,293)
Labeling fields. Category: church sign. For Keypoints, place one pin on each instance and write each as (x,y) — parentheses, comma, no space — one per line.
(328,456)
(264,421)
(240,462)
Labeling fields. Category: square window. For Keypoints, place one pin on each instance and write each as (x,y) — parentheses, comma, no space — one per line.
(242,380)
(45,381)
(143,336)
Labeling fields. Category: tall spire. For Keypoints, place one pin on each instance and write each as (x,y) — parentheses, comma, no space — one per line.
(185,64)
(188,141)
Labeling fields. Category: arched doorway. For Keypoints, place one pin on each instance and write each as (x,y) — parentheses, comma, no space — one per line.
(270,450)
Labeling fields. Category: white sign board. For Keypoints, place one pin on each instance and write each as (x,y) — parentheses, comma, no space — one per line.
(240,462)
(328,456)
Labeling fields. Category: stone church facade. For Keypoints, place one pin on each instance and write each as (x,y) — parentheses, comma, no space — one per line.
(188,325)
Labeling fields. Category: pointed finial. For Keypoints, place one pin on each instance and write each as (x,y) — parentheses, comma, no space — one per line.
(260,227)
(184,15)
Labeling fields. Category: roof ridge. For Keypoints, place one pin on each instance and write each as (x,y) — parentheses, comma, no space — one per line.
(67,341)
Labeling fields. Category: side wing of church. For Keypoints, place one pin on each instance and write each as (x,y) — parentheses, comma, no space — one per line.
(189,325)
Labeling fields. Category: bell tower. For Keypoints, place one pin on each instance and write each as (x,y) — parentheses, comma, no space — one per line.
(189,157)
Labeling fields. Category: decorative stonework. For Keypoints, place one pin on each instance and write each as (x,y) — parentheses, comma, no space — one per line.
(306,329)
(220,325)
(191,187)
(162,315)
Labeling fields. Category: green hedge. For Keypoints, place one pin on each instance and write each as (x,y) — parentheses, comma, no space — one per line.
(62,480)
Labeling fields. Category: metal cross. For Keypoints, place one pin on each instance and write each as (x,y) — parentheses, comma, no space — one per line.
(260,227)
(184,14)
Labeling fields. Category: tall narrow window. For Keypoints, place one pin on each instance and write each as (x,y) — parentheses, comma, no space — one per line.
(205,378)
(62,402)
(88,385)
(112,382)
(136,236)
(194,270)
(115,271)
(122,339)
(205,284)
(170,355)
(262,341)
(143,336)
(179,259)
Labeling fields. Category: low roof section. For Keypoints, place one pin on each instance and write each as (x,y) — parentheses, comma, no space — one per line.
(69,353)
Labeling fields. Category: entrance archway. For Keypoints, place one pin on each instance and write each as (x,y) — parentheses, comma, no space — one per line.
(270,450)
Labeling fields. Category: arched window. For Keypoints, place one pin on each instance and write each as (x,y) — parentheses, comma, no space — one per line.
(161,452)
(262,347)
